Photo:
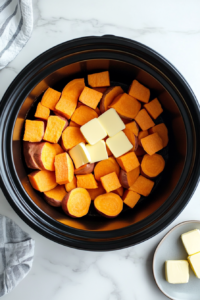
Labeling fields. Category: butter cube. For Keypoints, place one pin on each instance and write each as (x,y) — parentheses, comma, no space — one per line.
(80,155)
(194,261)
(177,271)
(111,122)
(97,151)
(191,241)
(93,131)
(119,144)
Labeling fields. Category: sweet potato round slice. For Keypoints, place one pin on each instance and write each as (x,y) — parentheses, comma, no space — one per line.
(105,167)
(71,137)
(109,95)
(85,169)
(108,205)
(55,196)
(152,165)
(76,203)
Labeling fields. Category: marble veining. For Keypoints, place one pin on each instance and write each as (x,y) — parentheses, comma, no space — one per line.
(173,29)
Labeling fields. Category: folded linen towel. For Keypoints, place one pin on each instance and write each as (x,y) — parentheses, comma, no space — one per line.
(16,254)
(16,24)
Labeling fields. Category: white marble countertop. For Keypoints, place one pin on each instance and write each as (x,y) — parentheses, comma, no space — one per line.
(173,29)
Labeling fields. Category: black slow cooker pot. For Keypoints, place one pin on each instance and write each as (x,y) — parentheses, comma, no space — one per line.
(126,60)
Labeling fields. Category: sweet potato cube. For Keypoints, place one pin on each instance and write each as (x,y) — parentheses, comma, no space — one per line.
(42,181)
(71,137)
(55,126)
(141,135)
(55,196)
(69,98)
(119,191)
(133,126)
(101,89)
(50,98)
(110,182)
(144,120)
(131,198)
(58,148)
(142,186)
(154,108)
(152,143)
(99,79)
(34,131)
(139,91)
(128,178)
(132,138)
(42,112)
(64,168)
(83,114)
(105,167)
(86,181)
(97,191)
(90,97)
(126,106)
(128,161)
(71,185)
(162,131)
(73,124)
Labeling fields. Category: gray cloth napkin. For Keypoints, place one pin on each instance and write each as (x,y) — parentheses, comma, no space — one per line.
(16,24)
(16,254)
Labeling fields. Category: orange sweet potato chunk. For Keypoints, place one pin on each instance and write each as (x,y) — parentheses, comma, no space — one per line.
(55,196)
(152,165)
(90,97)
(55,126)
(152,143)
(83,114)
(110,182)
(50,98)
(71,185)
(71,137)
(142,186)
(141,135)
(42,112)
(144,120)
(131,198)
(58,148)
(154,108)
(105,167)
(64,168)
(100,89)
(128,161)
(162,131)
(86,181)
(109,205)
(119,191)
(139,91)
(126,106)
(108,97)
(42,181)
(132,138)
(97,191)
(133,126)
(69,97)
(73,124)
(34,131)
(99,79)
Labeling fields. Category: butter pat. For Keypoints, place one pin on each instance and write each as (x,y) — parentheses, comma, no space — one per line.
(80,155)
(195,263)
(97,151)
(93,131)
(111,122)
(119,144)
(191,241)
(177,271)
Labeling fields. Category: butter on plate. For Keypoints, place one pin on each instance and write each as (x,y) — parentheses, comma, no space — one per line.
(191,241)
(177,271)
(194,261)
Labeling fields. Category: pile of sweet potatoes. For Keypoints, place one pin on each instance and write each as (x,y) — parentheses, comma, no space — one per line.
(111,182)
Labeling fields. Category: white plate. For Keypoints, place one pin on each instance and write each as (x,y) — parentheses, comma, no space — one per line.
(171,247)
